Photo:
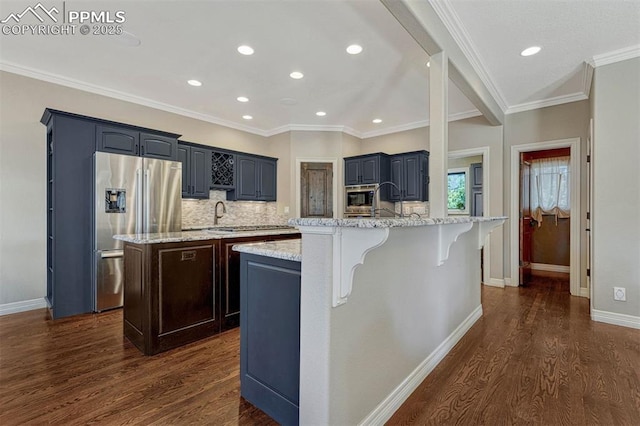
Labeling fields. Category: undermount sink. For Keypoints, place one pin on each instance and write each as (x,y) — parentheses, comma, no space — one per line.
(246,228)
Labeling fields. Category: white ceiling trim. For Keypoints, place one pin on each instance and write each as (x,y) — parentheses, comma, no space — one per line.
(418,124)
(615,56)
(99,90)
(463,115)
(395,129)
(454,25)
(314,128)
(587,77)
(558,100)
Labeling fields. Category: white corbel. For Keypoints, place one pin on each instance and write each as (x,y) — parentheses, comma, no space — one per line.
(350,246)
(447,235)
(485,229)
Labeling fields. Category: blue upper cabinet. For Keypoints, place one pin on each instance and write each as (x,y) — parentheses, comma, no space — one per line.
(366,169)
(255,178)
(196,170)
(157,146)
(410,171)
(130,141)
(118,140)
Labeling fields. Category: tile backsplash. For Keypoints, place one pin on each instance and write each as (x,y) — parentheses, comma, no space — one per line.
(200,213)
(409,207)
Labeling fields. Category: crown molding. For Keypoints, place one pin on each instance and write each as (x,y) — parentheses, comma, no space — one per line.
(464,115)
(418,124)
(314,128)
(615,56)
(395,129)
(587,77)
(454,25)
(103,91)
(558,100)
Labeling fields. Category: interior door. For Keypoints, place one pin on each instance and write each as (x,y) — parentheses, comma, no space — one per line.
(526,227)
(316,190)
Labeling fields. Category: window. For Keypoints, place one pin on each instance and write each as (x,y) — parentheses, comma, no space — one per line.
(457,196)
(550,188)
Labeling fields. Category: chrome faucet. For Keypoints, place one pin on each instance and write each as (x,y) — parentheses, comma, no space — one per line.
(215,215)
(373,201)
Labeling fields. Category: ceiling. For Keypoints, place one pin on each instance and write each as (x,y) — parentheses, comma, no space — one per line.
(388,80)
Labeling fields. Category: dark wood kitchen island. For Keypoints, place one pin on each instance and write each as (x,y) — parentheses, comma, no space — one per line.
(178,286)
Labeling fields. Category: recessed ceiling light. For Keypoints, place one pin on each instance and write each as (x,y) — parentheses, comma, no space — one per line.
(247,117)
(296,75)
(195,83)
(288,101)
(376,121)
(321,113)
(242,99)
(354,49)
(245,50)
(429,64)
(530,51)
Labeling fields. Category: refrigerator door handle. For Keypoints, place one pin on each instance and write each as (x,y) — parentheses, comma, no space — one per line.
(147,197)
(111,253)
(138,202)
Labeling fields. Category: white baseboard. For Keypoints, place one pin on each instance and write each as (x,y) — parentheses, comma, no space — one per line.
(495,282)
(383,412)
(584,292)
(549,268)
(25,305)
(614,318)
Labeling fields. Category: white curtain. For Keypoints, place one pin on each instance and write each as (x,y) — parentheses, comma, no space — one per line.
(550,188)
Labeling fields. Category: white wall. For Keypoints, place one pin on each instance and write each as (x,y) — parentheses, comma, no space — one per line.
(360,358)
(396,143)
(616,190)
(23,168)
(464,162)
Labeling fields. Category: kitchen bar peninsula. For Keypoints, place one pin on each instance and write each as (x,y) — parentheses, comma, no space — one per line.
(382,301)
(183,286)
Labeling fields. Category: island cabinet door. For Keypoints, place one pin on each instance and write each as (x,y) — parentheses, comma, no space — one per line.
(270,336)
(184,306)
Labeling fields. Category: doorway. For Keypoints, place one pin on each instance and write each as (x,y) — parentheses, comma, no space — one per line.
(574,226)
(544,214)
(316,190)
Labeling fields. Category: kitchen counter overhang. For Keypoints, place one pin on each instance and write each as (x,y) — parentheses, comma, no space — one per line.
(200,235)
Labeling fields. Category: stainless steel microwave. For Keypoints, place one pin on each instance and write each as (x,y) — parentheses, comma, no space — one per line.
(360,198)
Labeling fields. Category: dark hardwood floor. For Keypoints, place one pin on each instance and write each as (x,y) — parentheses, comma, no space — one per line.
(81,370)
(533,358)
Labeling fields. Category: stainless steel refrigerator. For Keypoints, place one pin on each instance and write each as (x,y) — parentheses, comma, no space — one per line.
(132,195)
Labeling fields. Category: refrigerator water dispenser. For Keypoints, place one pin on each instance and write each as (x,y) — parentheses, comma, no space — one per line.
(115,201)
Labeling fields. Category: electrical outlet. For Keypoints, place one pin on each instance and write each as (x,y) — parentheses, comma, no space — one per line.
(620,293)
(286,209)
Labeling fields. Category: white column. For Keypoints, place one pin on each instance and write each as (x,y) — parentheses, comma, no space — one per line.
(438,133)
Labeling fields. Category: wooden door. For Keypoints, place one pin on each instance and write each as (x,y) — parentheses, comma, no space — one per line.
(525,222)
(316,190)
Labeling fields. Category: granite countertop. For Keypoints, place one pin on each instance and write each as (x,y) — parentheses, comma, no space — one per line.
(198,235)
(287,249)
(389,222)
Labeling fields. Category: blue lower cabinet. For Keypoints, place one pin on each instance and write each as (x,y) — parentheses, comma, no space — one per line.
(270,335)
